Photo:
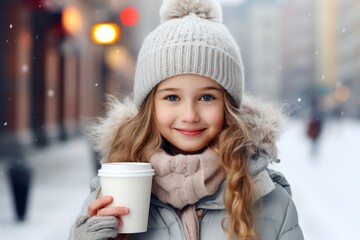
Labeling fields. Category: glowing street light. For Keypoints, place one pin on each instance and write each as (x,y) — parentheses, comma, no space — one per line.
(342,93)
(72,20)
(105,33)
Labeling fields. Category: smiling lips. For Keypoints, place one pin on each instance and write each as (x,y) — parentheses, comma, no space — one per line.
(190,132)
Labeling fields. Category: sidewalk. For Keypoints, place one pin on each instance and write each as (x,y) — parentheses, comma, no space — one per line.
(60,183)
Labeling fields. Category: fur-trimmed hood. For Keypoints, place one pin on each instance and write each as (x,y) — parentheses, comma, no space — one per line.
(264,120)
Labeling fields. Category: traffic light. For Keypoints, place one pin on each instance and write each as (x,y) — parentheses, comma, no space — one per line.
(129,16)
(109,33)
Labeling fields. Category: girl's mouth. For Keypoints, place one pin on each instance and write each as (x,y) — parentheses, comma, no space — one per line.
(190,132)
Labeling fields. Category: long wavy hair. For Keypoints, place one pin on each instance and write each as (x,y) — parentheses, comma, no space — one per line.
(238,195)
(137,139)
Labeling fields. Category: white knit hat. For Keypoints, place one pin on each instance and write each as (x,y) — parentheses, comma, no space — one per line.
(190,40)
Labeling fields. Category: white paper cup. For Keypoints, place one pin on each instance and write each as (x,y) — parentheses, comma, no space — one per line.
(129,183)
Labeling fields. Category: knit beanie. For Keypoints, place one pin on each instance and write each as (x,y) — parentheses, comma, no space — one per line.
(191,39)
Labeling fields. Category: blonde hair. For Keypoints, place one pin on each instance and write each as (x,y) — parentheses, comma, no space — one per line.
(138,138)
(238,194)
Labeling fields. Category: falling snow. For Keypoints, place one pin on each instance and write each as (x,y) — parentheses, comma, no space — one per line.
(343,30)
(96,84)
(24,68)
(5,123)
(50,93)
(316,53)
(323,77)
(299,99)
(11,26)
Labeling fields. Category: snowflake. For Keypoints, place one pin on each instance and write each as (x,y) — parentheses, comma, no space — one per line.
(50,93)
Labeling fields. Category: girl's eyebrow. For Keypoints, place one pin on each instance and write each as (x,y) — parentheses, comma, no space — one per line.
(212,88)
(168,89)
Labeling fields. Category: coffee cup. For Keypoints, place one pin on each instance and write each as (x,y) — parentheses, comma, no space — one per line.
(129,183)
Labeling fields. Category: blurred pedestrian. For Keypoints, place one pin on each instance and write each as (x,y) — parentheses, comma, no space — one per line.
(209,146)
(314,129)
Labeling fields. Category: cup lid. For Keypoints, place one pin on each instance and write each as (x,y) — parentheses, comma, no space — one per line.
(126,169)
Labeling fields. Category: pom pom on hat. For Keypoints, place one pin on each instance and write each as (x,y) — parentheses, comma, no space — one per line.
(207,9)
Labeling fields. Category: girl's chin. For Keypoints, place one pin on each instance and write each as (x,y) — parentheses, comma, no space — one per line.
(186,151)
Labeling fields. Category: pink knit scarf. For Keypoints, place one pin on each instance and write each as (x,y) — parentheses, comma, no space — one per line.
(182,180)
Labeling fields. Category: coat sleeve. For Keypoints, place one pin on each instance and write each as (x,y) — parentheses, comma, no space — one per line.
(290,229)
(94,193)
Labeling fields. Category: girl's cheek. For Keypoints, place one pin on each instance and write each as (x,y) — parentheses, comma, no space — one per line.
(216,118)
(164,117)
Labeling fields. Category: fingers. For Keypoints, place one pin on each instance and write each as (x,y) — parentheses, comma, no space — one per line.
(98,208)
(113,211)
(98,204)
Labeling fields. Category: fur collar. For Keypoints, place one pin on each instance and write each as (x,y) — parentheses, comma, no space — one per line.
(265,121)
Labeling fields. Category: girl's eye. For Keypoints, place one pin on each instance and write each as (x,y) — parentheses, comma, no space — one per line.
(206,98)
(172,98)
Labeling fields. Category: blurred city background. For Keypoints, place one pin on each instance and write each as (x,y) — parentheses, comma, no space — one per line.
(59,59)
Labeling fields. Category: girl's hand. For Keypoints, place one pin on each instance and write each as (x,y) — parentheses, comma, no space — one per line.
(98,208)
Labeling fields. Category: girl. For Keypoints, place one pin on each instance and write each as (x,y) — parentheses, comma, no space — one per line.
(210,148)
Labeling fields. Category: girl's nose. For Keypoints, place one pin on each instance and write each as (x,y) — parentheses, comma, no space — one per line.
(190,113)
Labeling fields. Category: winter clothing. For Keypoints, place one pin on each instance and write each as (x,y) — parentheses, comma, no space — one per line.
(188,196)
(182,180)
(96,228)
(191,40)
(276,215)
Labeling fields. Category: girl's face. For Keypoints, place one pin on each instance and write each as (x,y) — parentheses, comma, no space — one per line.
(189,111)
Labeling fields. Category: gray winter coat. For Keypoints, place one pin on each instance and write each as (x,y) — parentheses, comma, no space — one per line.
(276,215)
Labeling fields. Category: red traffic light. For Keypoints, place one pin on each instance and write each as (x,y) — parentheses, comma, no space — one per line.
(129,16)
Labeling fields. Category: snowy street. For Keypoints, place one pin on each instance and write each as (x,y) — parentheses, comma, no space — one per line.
(324,186)
(61,176)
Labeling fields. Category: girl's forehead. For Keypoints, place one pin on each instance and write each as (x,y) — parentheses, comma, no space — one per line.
(188,80)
